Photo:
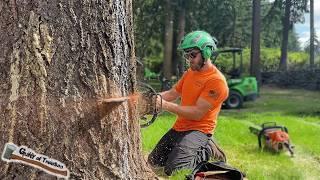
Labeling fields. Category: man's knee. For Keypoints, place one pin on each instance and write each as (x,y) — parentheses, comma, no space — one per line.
(181,158)
(216,152)
(156,160)
(168,170)
(181,163)
(188,153)
(153,161)
(175,166)
(150,160)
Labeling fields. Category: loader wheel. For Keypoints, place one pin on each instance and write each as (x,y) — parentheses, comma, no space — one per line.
(234,100)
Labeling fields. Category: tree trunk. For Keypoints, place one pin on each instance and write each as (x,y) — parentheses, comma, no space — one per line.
(168,39)
(255,42)
(57,59)
(234,26)
(285,37)
(181,31)
(311,34)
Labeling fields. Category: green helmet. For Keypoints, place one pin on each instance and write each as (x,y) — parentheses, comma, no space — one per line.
(201,40)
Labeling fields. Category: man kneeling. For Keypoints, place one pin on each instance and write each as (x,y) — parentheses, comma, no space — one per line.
(202,89)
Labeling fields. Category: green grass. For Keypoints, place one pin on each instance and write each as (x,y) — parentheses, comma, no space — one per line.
(298,110)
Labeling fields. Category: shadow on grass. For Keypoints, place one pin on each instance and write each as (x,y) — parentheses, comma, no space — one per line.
(235,113)
(305,113)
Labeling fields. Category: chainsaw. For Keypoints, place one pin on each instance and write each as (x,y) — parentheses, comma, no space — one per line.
(274,136)
(147,105)
(148,109)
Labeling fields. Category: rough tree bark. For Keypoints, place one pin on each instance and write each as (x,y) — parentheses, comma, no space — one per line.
(312,34)
(57,58)
(168,40)
(180,34)
(285,36)
(255,42)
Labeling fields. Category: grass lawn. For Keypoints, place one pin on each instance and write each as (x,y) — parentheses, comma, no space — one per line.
(298,110)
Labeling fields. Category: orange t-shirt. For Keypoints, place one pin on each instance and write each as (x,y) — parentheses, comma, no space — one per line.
(210,85)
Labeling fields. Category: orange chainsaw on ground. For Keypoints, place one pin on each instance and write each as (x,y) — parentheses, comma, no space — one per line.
(275,137)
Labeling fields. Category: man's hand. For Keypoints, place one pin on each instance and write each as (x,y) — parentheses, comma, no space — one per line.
(166,97)
(170,95)
(160,102)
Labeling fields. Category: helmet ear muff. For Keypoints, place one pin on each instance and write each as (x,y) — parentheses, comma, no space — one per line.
(206,52)
(214,53)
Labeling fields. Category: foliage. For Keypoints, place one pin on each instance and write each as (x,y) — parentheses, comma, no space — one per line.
(154,59)
(148,27)
(271,24)
(293,44)
(316,46)
(297,10)
(293,12)
(269,60)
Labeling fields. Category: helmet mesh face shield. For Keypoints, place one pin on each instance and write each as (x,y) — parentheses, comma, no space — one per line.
(190,54)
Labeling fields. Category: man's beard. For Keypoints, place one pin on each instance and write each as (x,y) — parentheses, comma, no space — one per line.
(196,67)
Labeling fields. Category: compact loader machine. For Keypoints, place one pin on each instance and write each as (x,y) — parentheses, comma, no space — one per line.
(241,88)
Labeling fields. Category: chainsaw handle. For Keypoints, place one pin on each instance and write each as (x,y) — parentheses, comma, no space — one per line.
(271,124)
(154,117)
(156,110)
(283,128)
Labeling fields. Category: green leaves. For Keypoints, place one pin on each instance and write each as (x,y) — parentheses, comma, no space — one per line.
(269,60)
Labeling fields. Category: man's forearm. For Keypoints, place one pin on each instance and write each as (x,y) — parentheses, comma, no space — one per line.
(188,112)
(168,96)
